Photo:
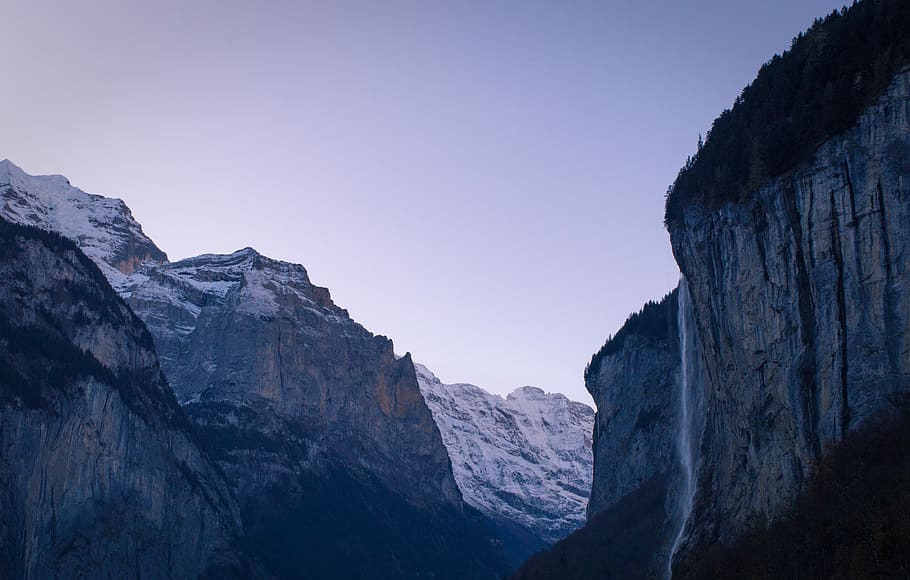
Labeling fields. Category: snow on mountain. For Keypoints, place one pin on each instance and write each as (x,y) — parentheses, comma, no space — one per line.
(103,227)
(525,458)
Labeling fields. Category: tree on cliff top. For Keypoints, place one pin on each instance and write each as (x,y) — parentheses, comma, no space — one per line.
(812,92)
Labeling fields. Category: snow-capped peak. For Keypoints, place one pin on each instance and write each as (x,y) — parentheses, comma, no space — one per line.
(526,458)
(103,227)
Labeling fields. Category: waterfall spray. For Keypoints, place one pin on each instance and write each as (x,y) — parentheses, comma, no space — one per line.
(685,439)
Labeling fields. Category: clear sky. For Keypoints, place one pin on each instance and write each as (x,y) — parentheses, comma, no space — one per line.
(481,181)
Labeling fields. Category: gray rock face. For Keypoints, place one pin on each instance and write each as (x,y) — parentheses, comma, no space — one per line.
(801,302)
(524,458)
(635,384)
(100,475)
(248,343)
(636,425)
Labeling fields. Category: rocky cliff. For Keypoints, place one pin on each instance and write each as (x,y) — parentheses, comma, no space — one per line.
(251,333)
(524,458)
(635,382)
(100,473)
(790,228)
(321,429)
(801,304)
(640,486)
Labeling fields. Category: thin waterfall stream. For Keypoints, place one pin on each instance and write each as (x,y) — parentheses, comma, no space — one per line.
(686,407)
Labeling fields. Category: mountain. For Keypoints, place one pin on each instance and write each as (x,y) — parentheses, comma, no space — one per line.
(525,458)
(294,398)
(791,340)
(98,463)
(328,445)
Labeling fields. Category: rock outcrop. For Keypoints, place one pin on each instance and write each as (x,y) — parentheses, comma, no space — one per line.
(635,382)
(524,458)
(100,472)
(245,332)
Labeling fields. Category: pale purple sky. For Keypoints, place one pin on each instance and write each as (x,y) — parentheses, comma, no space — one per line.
(481,181)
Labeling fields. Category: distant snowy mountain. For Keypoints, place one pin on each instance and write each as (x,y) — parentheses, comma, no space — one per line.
(525,458)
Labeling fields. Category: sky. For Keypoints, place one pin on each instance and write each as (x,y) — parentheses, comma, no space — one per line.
(482,182)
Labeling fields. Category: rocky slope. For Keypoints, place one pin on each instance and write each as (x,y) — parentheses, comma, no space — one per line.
(525,458)
(298,402)
(801,302)
(100,474)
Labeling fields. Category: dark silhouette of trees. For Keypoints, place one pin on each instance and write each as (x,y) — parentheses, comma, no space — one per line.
(815,90)
(655,321)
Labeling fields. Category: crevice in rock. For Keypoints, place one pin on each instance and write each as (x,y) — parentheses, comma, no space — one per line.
(807,367)
(760,219)
(854,221)
(891,316)
(851,192)
(841,316)
(809,236)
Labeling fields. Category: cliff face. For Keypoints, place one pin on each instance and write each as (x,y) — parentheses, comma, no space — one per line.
(249,343)
(336,461)
(99,472)
(642,486)
(636,382)
(635,385)
(524,458)
(801,303)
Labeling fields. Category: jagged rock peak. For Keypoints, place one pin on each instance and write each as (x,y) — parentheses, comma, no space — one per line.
(103,227)
(252,282)
(245,259)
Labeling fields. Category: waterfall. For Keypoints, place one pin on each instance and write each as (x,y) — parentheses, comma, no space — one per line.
(687,405)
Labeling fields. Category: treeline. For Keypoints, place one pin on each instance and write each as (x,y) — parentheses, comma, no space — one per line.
(853,522)
(655,321)
(815,90)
